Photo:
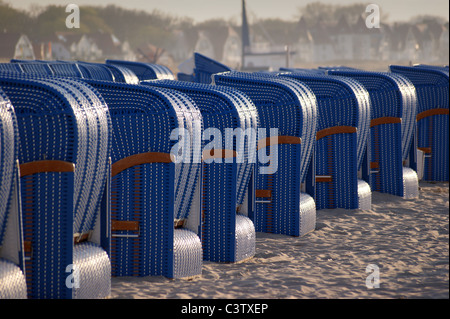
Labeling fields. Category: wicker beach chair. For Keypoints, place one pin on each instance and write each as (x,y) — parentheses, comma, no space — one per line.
(155,200)
(228,235)
(64,131)
(432,87)
(145,71)
(341,140)
(290,108)
(393,112)
(12,277)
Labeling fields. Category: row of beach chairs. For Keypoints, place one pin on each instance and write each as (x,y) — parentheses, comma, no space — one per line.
(118,169)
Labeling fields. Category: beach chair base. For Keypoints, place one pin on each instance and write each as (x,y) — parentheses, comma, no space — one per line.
(364,195)
(410,183)
(245,238)
(307,214)
(12,281)
(93,268)
(187,254)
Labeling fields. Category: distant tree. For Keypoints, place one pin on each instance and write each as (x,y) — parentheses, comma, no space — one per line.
(137,27)
(427,18)
(278,31)
(13,20)
(332,13)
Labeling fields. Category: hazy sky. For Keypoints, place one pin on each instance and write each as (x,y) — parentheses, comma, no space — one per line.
(200,10)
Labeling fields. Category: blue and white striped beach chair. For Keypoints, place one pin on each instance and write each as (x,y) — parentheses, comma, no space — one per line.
(341,140)
(432,87)
(155,201)
(145,71)
(228,235)
(393,113)
(290,109)
(64,134)
(12,277)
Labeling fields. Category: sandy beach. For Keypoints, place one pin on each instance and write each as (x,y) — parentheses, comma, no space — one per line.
(406,240)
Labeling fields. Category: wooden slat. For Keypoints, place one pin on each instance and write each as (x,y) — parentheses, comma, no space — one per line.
(439,111)
(335,130)
(117,225)
(48,166)
(323,179)
(139,159)
(374,165)
(263,193)
(27,246)
(385,120)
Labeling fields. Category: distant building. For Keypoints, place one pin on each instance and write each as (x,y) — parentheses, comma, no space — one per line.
(92,47)
(205,46)
(305,43)
(232,50)
(15,46)
(444,45)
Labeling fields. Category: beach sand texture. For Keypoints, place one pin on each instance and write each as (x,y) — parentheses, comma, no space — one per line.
(408,240)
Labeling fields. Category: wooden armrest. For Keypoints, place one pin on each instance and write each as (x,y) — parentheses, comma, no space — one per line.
(139,159)
(335,130)
(439,111)
(263,193)
(49,166)
(385,120)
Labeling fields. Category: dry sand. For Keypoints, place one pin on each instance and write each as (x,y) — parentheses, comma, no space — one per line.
(407,239)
